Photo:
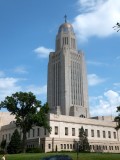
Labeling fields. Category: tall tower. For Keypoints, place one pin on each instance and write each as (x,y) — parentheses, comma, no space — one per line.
(67,92)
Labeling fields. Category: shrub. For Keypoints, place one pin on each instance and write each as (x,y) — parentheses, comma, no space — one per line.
(33,150)
(2,152)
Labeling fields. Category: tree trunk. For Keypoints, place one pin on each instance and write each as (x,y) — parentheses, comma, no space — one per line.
(24,141)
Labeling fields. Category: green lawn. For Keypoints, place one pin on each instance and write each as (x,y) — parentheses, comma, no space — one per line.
(81,156)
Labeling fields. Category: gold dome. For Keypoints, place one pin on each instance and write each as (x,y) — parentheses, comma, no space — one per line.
(65,27)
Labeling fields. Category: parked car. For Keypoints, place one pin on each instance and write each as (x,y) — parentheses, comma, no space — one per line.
(57,157)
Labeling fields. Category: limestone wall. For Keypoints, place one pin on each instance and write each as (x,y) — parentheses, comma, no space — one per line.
(5,118)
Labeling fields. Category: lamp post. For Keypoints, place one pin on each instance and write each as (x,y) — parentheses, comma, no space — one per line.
(77,150)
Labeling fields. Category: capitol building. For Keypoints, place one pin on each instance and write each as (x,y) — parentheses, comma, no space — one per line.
(67,97)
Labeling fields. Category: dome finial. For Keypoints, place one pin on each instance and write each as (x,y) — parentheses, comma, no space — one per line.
(65,18)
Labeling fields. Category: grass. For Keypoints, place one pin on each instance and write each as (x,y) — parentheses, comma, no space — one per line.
(81,156)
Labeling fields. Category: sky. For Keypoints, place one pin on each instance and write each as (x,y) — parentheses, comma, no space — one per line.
(28,30)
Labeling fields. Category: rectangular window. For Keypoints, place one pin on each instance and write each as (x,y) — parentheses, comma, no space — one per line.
(86,132)
(109,134)
(61,146)
(104,136)
(63,40)
(38,131)
(67,40)
(70,146)
(92,133)
(49,146)
(66,130)
(73,131)
(98,133)
(67,146)
(114,134)
(64,146)
(56,130)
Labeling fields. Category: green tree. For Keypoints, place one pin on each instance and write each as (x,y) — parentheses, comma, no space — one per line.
(15,143)
(3,144)
(117,119)
(28,112)
(83,141)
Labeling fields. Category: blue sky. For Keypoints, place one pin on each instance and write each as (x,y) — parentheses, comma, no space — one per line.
(27,35)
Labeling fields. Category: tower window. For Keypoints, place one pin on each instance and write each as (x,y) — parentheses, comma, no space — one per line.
(65,40)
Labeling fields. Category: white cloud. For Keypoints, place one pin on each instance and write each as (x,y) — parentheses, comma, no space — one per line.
(8,86)
(97,18)
(113,97)
(105,104)
(93,80)
(43,52)
(37,90)
(20,69)
(90,5)
(7,82)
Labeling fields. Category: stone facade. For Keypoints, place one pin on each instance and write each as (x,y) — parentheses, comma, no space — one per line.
(67,78)
(102,135)
(5,118)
